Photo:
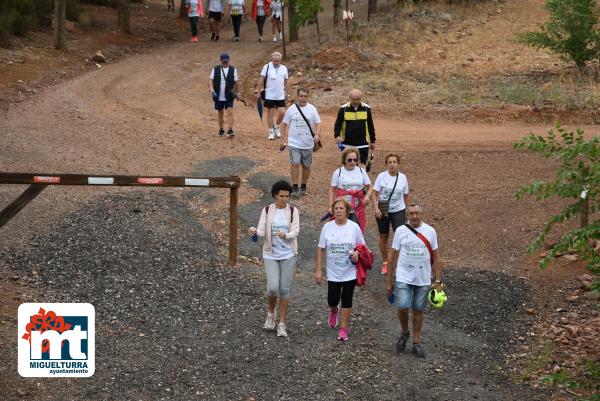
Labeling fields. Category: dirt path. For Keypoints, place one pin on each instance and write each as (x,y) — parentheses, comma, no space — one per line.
(151,114)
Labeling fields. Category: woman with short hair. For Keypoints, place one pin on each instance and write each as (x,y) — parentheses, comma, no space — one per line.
(279,224)
(390,197)
(353,184)
(338,239)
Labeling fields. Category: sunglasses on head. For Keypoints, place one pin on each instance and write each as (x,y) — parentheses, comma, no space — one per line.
(351,160)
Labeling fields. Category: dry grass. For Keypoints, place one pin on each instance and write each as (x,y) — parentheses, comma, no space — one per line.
(460,56)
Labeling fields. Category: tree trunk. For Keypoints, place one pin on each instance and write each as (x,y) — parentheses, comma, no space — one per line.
(123,17)
(283,36)
(183,9)
(372,8)
(60,15)
(337,12)
(318,30)
(292,21)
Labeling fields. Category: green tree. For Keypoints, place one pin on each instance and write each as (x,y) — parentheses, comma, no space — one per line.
(571,31)
(578,181)
(307,12)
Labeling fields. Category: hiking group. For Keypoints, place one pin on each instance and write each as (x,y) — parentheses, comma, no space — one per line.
(342,257)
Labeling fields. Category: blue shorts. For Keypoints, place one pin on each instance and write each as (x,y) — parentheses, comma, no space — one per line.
(411,296)
(227,104)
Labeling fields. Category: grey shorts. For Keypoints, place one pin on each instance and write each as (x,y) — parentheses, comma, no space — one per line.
(303,156)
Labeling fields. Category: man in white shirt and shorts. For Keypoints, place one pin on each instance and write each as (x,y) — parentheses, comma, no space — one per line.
(299,120)
(414,257)
(274,80)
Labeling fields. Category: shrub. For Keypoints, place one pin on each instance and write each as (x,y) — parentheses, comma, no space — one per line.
(571,31)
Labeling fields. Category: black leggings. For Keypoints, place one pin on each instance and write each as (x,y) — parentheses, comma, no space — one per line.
(260,23)
(194,24)
(343,290)
(237,22)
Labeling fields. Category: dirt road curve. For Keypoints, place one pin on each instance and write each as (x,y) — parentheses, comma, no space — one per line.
(150,114)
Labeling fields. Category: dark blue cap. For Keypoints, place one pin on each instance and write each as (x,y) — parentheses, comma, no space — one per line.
(224,56)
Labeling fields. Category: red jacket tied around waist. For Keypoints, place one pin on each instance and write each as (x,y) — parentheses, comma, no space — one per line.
(356,203)
(364,263)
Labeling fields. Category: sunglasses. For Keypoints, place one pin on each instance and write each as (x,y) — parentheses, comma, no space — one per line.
(351,160)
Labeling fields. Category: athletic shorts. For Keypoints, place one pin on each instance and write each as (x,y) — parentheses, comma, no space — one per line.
(272,104)
(227,104)
(303,156)
(411,296)
(214,15)
(396,219)
(275,18)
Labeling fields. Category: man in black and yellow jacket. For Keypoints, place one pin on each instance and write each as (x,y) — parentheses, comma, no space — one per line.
(354,126)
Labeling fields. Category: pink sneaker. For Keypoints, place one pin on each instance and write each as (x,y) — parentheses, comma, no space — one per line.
(343,334)
(332,321)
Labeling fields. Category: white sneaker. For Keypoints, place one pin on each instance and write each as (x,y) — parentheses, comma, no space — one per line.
(277,132)
(280,35)
(260,39)
(271,134)
(270,322)
(275,38)
(281,330)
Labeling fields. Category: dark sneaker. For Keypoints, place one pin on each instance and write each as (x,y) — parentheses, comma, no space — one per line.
(221,132)
(212,36)
(230,133)
(418,350)
(217,38)
(295,194)
(401,344)
(303,191)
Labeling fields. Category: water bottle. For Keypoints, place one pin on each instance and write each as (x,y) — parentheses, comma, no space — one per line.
(391,297)
(255,236)
(282,147)
(340,146)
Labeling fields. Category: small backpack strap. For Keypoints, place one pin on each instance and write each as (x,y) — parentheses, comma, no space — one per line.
(291,214)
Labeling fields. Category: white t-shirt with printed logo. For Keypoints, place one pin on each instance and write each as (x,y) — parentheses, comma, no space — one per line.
(338,241)
(275,82)
(299,135)
(414,262)
(384,185)
(350,179)
(281,248)
(224,73)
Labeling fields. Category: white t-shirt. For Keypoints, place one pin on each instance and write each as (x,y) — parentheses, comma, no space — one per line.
(281,248)
(384,185)
(350,179)
(235,7)
(338,241)
(193,10)
(275,82)
(224,73)
(414,262)
(215,6)
(276,9)
(299,135)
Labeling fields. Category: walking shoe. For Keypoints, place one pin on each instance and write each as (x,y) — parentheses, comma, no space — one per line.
(271,134)
(230,133)
(217,38)
(384,268)
(221,132)
(401,344)
(194,39)
(270,322)
(332,321)
(343,334)
(281,330)
(274,38)
(295,193)
(280,36)
(212,36)
(303,190)
(260,39)
(236,39)
(418,350)
(277,132)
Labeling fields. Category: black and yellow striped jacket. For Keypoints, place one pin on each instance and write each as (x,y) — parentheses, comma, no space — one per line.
(355,126)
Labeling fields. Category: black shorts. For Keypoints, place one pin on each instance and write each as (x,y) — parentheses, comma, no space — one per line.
(215,15)
(340,291)
(397,219)
(272,104)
